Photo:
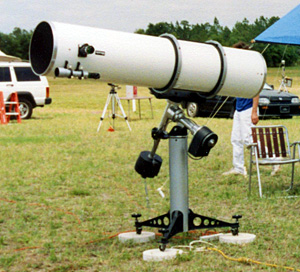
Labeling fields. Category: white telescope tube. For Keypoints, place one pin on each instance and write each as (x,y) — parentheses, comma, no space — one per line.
(160,63)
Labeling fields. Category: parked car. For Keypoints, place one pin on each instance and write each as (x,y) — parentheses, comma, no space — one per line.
(272,104)
(275,104)
(209,107)
(33,91)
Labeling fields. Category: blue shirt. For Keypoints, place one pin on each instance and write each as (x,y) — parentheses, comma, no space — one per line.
(243,103)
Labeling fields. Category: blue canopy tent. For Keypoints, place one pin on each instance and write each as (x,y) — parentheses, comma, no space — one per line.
(284,31)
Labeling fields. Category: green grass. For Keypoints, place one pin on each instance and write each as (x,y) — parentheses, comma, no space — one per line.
(66,189)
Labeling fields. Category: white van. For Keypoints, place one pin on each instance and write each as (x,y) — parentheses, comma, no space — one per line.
(33,90)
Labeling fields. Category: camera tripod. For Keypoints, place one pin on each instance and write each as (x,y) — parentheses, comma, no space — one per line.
(114,98)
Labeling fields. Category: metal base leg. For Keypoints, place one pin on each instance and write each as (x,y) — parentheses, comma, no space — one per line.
(169,225)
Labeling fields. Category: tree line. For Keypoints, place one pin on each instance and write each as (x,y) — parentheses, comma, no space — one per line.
(241,31)
(17,42)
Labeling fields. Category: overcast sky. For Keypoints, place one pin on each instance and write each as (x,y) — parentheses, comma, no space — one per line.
(129,15)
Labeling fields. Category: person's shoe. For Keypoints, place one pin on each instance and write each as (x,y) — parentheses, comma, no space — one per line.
(275,169)
(235,172)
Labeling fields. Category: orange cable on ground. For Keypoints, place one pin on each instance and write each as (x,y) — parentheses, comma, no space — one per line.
(241,259)
(106,238)
(7,200)
(45,206)
(89,231)
(58,209)
(134,202)
(130,195)
(25,248)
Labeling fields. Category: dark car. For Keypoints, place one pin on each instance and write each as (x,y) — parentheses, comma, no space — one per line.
(272,104)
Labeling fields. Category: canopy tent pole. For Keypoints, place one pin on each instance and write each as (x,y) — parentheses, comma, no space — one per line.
(265,48)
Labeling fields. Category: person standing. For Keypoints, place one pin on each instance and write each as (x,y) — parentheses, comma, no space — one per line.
(244,117)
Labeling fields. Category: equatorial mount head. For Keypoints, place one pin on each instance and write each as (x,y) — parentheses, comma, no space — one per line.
(203,138)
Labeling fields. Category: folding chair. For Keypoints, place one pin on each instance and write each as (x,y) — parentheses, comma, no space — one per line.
(270,146)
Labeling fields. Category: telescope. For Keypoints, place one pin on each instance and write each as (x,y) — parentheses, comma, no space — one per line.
(171,68)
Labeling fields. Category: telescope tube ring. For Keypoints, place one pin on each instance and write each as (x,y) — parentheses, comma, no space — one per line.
(223,70)
(177,67)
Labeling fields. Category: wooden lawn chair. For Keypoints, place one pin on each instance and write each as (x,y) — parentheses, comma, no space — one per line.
(270,146)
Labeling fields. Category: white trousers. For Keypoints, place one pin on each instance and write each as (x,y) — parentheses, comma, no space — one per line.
(240,136)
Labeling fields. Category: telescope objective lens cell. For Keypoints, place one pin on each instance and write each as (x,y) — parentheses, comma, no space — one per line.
(41,48)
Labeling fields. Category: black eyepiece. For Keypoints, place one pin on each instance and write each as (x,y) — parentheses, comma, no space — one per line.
(85,50)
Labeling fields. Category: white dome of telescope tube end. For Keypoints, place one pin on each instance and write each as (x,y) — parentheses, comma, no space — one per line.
(160,63)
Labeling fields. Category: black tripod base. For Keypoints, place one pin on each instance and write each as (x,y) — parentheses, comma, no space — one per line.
(171,224)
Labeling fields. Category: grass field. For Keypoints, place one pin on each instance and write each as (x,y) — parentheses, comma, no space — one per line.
(66,191)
